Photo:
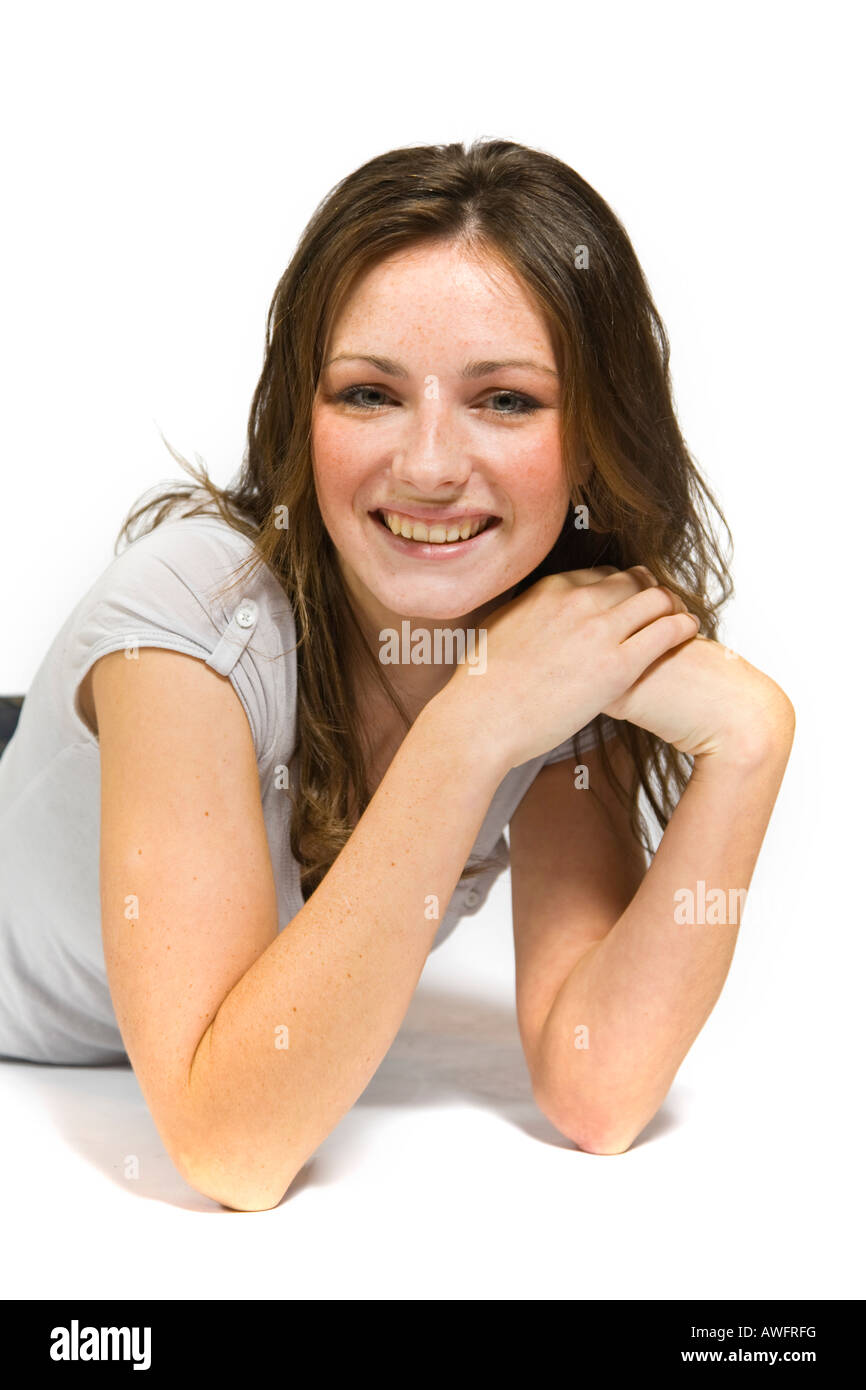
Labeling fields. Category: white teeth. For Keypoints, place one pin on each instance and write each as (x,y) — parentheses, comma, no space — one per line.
(437,533)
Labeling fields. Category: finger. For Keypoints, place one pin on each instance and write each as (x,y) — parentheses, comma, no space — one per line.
(593,575)
(636,610)
(652,641)
(609,585)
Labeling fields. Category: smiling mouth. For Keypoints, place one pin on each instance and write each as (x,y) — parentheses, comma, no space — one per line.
(437,532)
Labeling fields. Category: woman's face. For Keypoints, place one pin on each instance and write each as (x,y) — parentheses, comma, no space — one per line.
(416,422)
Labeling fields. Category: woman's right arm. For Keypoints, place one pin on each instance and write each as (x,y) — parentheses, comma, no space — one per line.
(251,1043)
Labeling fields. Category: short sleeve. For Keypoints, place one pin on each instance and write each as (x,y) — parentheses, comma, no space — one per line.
(169,589)
(587,737)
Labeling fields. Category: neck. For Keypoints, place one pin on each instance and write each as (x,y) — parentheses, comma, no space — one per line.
(417,681)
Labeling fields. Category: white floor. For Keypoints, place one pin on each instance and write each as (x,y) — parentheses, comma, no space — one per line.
(446,1182)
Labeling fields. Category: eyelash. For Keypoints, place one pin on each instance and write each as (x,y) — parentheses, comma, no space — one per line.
(528,406)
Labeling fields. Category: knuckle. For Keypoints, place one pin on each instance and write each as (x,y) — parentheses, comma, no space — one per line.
(660,600)
(683,621)
(678,604)
(557,583)
(672,599)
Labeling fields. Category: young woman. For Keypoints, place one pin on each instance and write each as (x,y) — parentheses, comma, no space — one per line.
(463,432)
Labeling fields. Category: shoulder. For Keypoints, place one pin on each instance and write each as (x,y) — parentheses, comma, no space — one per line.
(196,585)
(198,551)
(192,573)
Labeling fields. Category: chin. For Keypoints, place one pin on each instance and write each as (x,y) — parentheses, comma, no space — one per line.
(426,607)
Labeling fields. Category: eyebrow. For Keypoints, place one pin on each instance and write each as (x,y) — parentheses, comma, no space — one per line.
(472,369)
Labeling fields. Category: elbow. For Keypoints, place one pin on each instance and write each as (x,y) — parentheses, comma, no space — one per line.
(591,1132)
(236,1185)
(612,1141)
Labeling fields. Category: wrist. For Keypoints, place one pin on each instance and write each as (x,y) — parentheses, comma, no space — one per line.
(474,738)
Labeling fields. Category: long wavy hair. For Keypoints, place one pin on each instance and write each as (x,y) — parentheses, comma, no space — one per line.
(625,458)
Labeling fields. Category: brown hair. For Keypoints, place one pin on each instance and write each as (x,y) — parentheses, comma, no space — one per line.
(625,457)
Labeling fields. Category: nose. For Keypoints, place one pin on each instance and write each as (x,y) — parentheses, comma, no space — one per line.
(430,454)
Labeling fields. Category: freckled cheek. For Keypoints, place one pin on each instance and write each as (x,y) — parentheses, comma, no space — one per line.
(536,479)
(339,466)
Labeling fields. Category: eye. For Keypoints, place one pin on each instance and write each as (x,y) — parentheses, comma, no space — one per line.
(350,397)
(524,405)
(521,403)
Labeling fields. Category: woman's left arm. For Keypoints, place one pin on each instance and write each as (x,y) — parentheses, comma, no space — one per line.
(608,1009)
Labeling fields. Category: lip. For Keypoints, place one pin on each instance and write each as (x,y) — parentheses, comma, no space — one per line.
(429,515)
(429,550)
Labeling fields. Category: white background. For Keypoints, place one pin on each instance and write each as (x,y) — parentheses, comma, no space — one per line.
(159,164)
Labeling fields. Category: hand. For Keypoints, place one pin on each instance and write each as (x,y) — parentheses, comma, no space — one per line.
(568,647)
(705,699)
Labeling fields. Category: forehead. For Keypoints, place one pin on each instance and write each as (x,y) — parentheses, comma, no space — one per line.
(436,294)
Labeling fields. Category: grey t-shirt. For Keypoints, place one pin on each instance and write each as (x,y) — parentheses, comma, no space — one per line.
(55,1004)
